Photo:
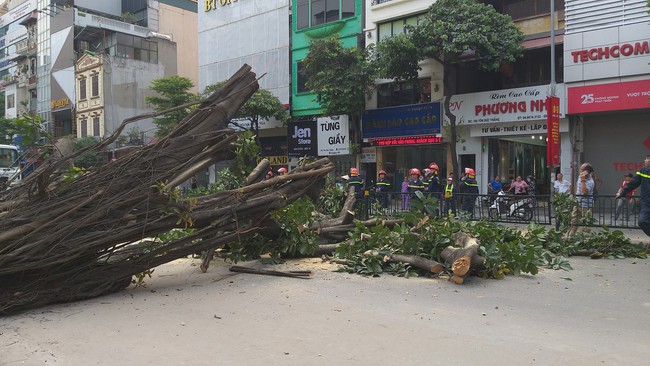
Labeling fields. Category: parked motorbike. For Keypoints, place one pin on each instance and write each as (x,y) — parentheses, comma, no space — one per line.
(510,206)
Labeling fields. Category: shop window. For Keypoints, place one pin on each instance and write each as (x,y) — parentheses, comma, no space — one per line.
(84,127)
(95,86)
(301,79)
(11,101)
(311,13)
(521,9)
(403,93)
(396,27)
(82,89)
(96,127)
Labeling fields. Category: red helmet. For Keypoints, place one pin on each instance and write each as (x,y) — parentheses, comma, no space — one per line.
(470,171)
(434,166)
(269,173)
(414,171)
(354,171)
(282,170)
(382,172)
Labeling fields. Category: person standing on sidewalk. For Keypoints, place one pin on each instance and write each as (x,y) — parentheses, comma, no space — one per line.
(625,203)
(449,199)
(560,185)
(641,179)
(585,192)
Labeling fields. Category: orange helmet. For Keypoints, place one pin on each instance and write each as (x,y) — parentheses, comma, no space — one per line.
(382,172)
(414,171)
(469,171)
(434,166)
(354,171)
(282,170)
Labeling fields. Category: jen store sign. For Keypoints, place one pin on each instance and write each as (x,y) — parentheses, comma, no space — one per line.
(327,136)
(508,105)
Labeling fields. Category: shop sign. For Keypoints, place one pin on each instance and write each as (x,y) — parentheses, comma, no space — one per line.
(333,135)
(511,129)
(609,97)
(411,140)
(17,12)
(615,51)
(59,103)
(508,105)
(368,155)
(278,160)
(212,4)
(553,131)
(302,139)
(410,120)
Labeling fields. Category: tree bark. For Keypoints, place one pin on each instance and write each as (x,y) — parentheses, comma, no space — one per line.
(416,261)
(63,240)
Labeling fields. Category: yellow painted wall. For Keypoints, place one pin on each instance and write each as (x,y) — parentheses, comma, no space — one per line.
(183,26)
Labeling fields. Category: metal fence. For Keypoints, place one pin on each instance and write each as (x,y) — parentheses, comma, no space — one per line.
(606,211)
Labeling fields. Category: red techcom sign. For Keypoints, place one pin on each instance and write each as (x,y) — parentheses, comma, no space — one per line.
(617,51)
(609,97)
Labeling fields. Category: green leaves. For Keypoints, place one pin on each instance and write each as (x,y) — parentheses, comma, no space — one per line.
(261,105)
(340,77)
(172,91)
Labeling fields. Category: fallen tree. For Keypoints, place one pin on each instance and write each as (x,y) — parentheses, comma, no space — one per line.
(68,239)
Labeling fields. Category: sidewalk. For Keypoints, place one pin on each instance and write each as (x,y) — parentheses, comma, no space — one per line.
(636,236)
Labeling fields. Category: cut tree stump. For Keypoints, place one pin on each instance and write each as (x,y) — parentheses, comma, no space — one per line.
(463,258)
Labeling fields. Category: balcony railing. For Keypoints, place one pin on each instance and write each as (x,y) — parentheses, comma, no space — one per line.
(377,2)
(9,79)
(26,46)
(84,19)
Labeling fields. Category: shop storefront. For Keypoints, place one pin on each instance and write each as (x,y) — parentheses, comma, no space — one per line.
(322,137)
(608,88)
(401,138)
(505,131)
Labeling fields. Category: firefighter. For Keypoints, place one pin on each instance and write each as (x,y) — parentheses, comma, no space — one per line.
(382,187)
(435,185)
(469,190)
(449,199)
(357,182)
(269,175)
(426,178)
(416,183)
(641,179)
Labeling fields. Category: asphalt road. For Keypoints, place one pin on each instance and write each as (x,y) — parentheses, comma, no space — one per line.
(596,314)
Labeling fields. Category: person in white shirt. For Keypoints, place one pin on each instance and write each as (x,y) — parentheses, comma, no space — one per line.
(560,185)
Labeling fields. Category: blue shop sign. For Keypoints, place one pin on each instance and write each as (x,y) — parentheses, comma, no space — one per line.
(408,120)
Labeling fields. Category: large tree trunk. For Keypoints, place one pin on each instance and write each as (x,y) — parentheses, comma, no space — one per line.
(453,138)
(64,240)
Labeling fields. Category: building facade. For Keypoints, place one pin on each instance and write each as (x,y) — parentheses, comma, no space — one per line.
(313,20)
(257,33)
(411,145)
(120,48)
(607,73)
(495,137)
(18,57)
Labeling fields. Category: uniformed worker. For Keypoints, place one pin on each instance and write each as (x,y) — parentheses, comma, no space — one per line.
(469,190)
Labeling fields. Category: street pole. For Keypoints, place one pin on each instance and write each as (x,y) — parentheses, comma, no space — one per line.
(552,94)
